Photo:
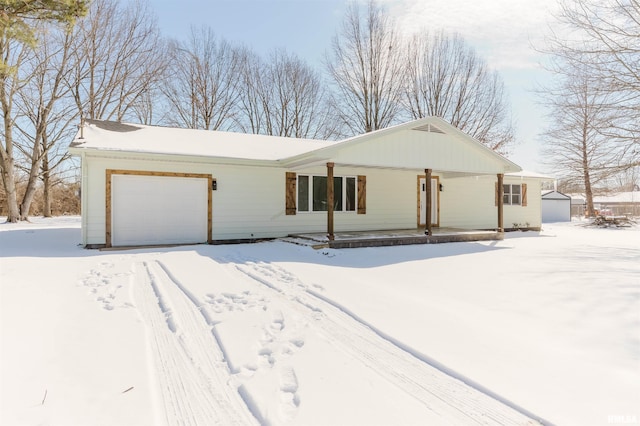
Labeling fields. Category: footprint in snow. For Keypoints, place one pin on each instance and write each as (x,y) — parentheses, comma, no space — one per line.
(104,283)
(289,398)
(228,302)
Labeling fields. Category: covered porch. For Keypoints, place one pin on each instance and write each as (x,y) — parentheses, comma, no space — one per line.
(416,183)
(357,239)
(428,230)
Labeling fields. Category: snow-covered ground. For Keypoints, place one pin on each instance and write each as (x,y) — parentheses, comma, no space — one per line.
(541,326)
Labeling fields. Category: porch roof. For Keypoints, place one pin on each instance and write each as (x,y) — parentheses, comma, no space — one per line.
(429,142)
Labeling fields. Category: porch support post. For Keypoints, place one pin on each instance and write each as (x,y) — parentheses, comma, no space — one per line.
(500,200)
(427,180)
(330,201)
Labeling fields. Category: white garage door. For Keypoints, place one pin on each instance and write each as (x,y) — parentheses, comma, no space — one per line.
(149,210)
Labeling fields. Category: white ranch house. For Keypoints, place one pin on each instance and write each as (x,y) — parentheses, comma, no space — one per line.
(148,185)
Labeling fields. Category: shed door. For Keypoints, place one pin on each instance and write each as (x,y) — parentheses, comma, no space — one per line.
(148,210)
(435,220)
(556,210)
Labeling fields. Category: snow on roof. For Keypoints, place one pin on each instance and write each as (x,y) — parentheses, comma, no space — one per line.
(577,198)
(105,135)
(554,195)
(529,174)
(621,197)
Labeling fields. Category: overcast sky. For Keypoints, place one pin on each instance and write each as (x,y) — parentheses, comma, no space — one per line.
(502,31)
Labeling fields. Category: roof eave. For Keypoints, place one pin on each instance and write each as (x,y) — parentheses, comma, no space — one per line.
(120,154)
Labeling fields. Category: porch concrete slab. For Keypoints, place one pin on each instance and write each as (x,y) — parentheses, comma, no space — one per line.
(394,237)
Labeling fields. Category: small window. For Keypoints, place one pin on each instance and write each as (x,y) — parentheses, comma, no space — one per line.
(512,194)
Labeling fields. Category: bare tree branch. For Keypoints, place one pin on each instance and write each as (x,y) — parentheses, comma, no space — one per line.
(447,79)
(204,86)
(120,57)
(284,97)
(365,65)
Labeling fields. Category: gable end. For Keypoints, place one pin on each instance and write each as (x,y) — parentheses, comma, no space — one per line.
(430,128)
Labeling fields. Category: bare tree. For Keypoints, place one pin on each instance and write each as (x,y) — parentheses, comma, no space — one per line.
(14,54)
(120,57)
(366,67)
(573,144)
(251,117)
(447,79)
(45,117)
(628,180)
(283,97)
(603,39)
(144,108)
(16,37)
(204,87)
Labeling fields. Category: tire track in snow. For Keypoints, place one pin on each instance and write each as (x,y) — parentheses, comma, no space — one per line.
(191,372)
(445,395)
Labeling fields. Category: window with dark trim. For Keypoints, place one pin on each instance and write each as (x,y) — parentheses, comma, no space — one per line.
(312,193)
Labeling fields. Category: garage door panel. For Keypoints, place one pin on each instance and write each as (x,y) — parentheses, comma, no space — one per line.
(556,211)
(158,210)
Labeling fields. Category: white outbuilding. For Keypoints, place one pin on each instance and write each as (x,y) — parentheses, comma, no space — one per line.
(556,207)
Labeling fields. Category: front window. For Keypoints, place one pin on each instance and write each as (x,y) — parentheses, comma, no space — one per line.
(312,193)
(512,194)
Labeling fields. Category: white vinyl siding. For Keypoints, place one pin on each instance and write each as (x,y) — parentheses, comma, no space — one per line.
(249,202)
(408,149)
(469,203)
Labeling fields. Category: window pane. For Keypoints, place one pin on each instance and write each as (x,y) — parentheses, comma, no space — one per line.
(350,199)
(515,189)
(303,193)
(515,199)
(337,194)
(506,199)
(319,194)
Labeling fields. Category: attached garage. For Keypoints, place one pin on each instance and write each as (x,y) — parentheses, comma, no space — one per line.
(147,208)
(556,207)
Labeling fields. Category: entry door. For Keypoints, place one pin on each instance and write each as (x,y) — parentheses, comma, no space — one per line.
(422,207)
